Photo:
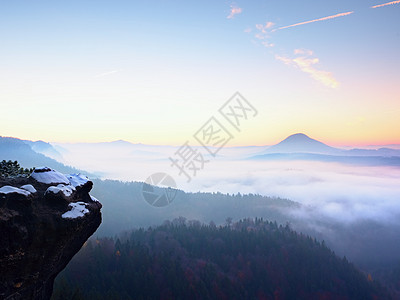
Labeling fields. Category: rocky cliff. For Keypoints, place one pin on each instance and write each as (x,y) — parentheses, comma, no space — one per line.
(44,221)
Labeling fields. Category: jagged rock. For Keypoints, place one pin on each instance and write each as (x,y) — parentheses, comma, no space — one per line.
(44,221)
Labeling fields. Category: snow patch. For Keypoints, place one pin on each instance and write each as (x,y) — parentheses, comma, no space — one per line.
(29,188)
(77,180)
(10,189)
(94,199)
(78,210)
(67,190)
(49,176)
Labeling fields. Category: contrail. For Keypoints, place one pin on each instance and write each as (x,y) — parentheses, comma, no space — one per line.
(389,3)
(321,19)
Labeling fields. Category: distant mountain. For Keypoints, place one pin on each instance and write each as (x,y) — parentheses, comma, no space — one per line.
(391,146)
(301,143)
(121,143)
(301,147)
(45,149)
(16,149)
(384,152)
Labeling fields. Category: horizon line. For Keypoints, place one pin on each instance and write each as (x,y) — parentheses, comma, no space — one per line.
(336,143)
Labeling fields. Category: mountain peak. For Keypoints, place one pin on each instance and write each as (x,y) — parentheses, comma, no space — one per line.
(121,143)
(298,136)
(301,143)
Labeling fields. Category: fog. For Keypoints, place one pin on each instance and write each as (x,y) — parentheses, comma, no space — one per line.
(345,193)
(354,208)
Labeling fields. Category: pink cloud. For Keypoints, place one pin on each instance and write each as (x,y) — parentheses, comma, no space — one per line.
(306,64)
(234,11)
(267,44)
(263,33)
(303,51)
(265,28)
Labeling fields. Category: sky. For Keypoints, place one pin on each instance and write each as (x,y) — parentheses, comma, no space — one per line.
(154,72)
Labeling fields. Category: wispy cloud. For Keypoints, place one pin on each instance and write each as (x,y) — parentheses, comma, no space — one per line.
(306,63)
(303,51)
(267,44)
(106,73)
(320,19)
(265,28)
(263,33)
(385,4)
(234,11)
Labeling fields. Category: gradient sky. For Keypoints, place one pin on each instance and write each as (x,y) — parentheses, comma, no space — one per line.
(155,71)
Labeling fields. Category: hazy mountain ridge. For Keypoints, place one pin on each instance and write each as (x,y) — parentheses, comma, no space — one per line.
(134,211)
(108,159)
(301,147)
(23,151)
(45,148)
(122,160)
(296,143)
(301,143)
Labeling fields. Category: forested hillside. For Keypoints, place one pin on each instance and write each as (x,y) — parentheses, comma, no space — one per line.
(250,259)
(125,208)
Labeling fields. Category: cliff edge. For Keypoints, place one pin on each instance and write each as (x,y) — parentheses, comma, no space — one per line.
(44,221)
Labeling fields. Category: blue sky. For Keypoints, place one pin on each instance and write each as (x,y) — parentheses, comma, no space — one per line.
(153,72)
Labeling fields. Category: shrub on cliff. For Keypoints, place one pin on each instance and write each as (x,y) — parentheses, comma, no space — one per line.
(13,169)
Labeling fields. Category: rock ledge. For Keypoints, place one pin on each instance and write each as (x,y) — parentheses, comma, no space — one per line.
(44,221)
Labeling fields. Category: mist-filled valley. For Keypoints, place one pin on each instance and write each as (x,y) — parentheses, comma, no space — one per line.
(352,207)
(323,193)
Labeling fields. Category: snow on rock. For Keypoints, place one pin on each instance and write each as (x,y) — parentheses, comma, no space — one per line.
(78,210)
(10,189)
(29,188)
(94,199)
(67,190)
(49,176)
(77,180)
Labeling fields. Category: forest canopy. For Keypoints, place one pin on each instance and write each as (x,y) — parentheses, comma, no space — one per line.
(249,259)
